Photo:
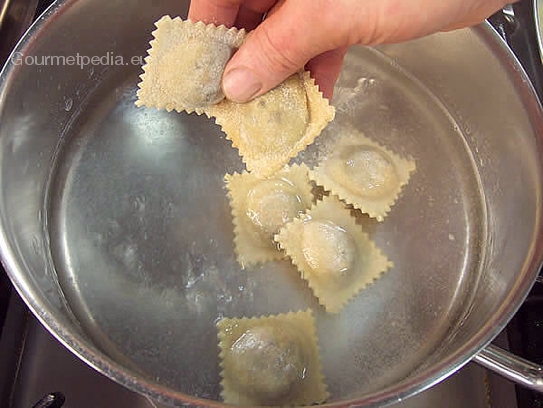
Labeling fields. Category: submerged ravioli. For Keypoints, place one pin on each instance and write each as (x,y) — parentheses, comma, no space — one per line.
(271,352)
(184,68)
(271,361)
(328,249)
(364,174)
(261,207)
(271,129)
(332,253)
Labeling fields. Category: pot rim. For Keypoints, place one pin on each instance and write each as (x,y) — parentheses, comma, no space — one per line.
(392,394)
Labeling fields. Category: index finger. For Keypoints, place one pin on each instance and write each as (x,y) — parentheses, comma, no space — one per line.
(215,11)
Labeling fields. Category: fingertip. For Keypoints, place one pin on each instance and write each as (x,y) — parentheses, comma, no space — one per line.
(240,84)
(253,70)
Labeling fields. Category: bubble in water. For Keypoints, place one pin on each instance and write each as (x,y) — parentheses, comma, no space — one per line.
(36,246)
(225,297)
(68,103)
(219,317)
(348,99)
(197,301)
(192,279)
(138,204)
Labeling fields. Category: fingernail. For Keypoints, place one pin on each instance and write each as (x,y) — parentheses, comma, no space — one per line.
(240,85)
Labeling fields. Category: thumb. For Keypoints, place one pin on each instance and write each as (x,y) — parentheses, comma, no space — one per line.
(277,48)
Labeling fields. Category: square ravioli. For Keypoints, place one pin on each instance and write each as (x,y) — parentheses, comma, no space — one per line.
(261,207)
(332,253)
(271,361)
(273,128)
(363,173)
(185,63)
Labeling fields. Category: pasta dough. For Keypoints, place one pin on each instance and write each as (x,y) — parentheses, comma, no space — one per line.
(183,70)
(271,129)
(271,361)
(261,207)
(364,174)
(332,253)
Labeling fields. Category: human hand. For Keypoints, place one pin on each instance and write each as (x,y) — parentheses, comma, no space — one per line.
(317,33)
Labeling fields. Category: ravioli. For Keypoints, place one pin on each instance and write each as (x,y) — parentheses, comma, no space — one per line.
(363,173)
(261,207)
(271,361)
(185,63)
(332,253)
(271,129)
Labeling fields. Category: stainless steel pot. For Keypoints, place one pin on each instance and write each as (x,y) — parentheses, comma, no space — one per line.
(15,17)
(115,228)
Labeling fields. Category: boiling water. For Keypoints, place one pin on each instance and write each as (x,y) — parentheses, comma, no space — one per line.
(142,236)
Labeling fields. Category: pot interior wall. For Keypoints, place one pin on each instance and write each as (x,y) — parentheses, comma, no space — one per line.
(97,215)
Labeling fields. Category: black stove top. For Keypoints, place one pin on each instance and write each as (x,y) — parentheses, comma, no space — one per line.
(525,334)
(525,331)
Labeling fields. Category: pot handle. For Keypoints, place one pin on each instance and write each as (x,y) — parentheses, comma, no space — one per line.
(512,367)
